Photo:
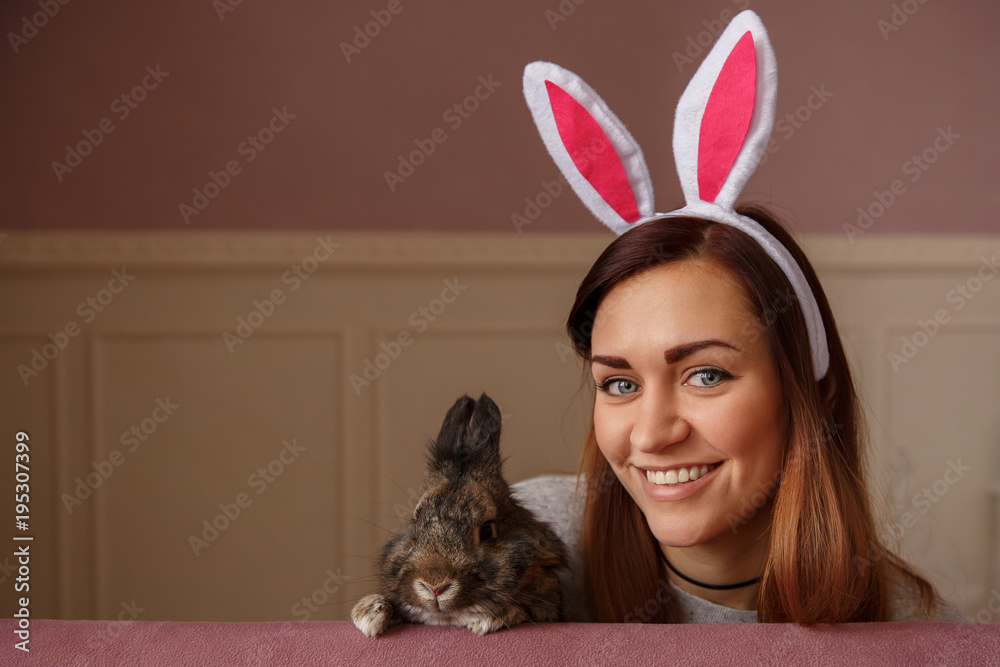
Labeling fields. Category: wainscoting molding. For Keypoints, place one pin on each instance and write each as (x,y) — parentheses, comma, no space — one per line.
(306,372)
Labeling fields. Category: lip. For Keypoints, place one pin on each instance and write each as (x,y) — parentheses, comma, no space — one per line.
(678,466)
(677,491)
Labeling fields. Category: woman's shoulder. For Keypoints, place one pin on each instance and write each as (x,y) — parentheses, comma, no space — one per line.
(548,492)
(554,500)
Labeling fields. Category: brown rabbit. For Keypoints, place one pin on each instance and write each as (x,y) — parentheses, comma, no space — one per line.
(471,555)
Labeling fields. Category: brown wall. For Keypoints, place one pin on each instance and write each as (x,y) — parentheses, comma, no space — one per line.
(890,96)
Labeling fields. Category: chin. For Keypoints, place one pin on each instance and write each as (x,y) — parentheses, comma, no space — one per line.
(686,532)
(675,538)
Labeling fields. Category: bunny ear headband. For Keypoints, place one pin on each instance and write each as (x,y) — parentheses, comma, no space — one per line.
(721,128)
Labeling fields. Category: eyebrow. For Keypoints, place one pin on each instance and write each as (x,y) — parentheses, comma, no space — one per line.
(671,355)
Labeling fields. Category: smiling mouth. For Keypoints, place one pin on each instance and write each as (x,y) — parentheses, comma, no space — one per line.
(676,476)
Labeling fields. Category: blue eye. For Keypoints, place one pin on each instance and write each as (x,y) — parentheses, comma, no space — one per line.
(708,377)
(618,387)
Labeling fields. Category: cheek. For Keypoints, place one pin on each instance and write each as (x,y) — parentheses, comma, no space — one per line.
(612,432)
(757,443)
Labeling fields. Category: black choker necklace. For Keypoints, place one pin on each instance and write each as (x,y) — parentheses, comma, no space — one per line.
(726,587)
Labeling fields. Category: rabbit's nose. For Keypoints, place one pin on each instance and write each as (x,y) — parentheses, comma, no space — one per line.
(436,590)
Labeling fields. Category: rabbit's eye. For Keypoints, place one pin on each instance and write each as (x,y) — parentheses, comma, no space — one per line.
(487,531)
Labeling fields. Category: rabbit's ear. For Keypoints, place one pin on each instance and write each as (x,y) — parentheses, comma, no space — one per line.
(485,426)
(725,116)
(448,445)
(469,438)
(456,423)
(592,148)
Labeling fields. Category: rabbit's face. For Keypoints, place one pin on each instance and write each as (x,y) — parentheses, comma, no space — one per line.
(460,554)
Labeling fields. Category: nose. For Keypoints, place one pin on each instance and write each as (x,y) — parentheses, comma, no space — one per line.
(435,590)
(659,422)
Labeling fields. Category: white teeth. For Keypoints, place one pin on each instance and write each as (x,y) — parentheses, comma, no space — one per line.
(676,476)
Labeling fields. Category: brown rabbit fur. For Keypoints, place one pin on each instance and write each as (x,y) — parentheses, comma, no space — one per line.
(471,555)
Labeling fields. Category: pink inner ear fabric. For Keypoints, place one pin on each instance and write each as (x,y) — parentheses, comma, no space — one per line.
(592,152)
(726,119)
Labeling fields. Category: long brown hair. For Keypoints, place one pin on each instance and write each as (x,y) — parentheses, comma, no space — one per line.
(825,562)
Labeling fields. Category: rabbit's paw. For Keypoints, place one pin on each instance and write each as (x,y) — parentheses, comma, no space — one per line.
(484,625)
(373,615)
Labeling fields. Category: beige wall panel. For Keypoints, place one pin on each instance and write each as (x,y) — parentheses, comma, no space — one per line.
(231,418)
(955,380)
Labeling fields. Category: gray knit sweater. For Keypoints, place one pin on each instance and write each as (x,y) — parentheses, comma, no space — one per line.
(552,498)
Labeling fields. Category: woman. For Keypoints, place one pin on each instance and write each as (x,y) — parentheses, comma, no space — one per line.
(718,470)
(724,470)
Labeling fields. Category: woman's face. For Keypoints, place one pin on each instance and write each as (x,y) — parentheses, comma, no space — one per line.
(688,409)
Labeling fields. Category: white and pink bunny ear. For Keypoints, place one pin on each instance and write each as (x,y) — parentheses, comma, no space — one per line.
(725,116)
(597,155)
(723,123)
